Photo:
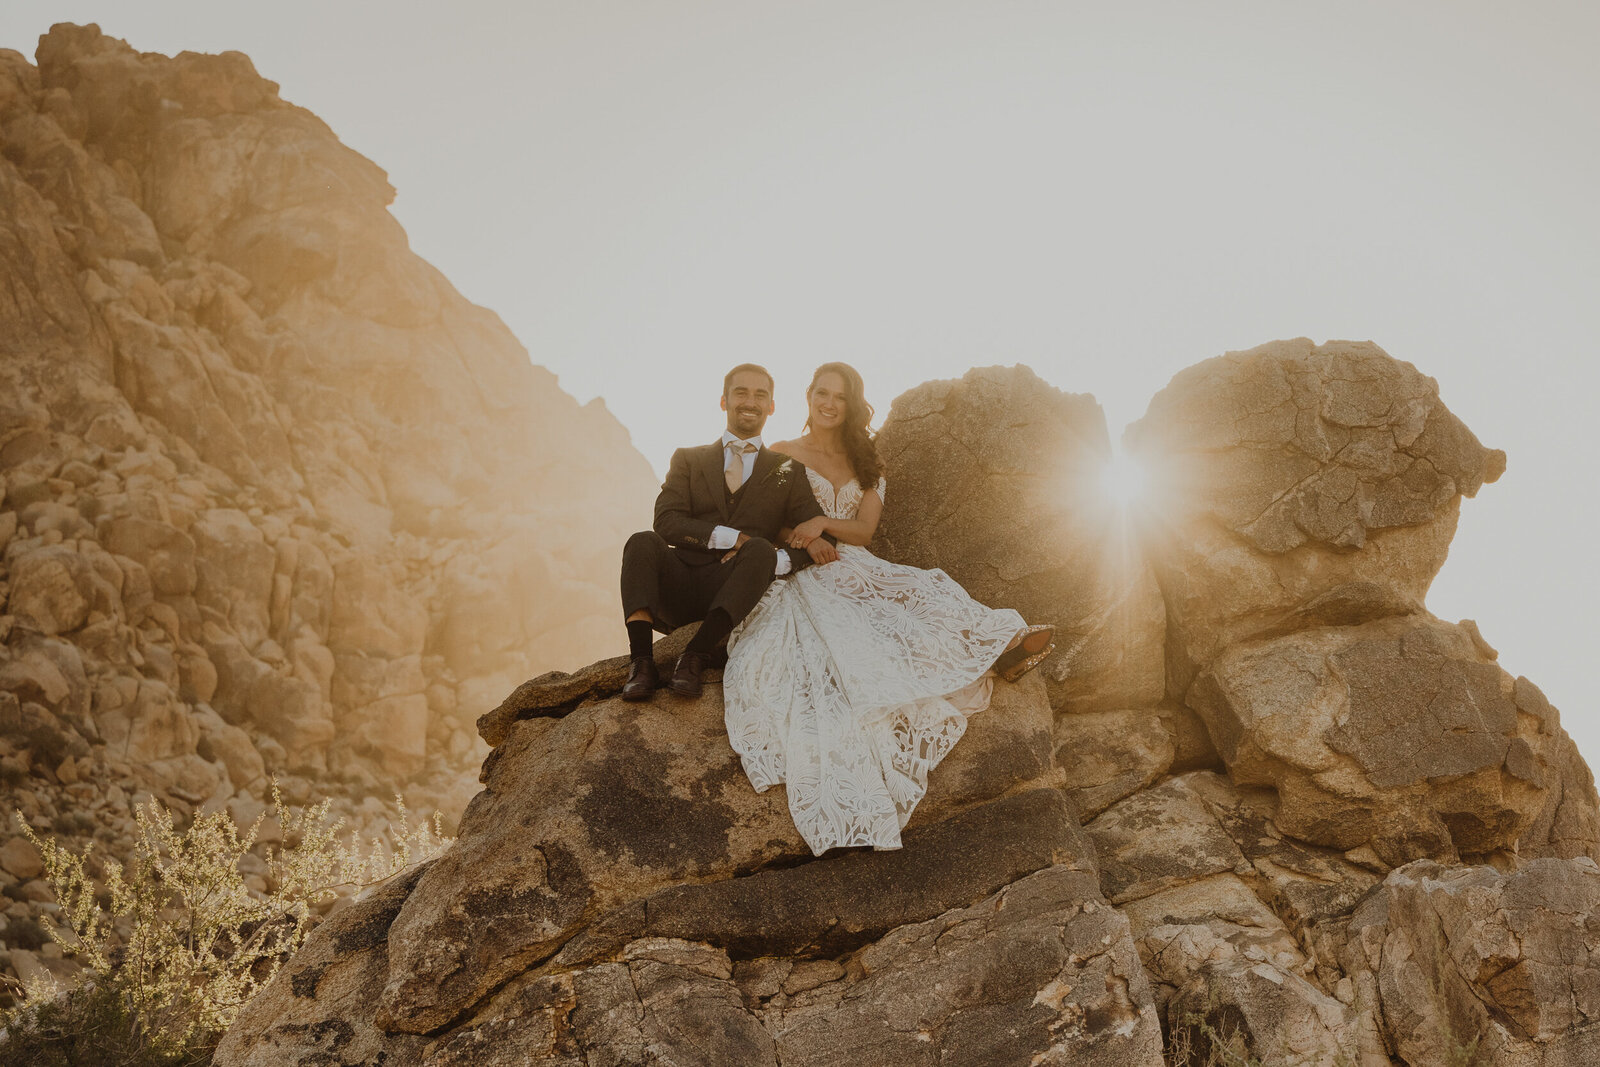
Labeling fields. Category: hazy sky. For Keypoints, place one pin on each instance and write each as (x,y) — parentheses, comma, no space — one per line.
(650,192)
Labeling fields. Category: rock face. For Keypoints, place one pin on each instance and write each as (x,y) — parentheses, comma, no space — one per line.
(648,906)
(1295,485)
(1401,734)
(1468,958)
(274,497)
(997,481)
(268,508)
(1342,836)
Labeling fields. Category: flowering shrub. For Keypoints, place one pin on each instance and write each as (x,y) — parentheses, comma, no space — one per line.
(175,942)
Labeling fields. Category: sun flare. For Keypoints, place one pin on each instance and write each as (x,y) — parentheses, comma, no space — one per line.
(1122,479)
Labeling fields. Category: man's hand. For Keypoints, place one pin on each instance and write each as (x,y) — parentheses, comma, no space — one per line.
(808,532)
(737,545)
(822,551)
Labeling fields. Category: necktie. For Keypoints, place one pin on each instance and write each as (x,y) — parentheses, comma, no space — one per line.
(734,472)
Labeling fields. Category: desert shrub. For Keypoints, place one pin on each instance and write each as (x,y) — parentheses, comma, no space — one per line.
(90,1024)
(174,942)
(1193,1041)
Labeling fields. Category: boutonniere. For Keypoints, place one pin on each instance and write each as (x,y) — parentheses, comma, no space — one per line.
(781,471)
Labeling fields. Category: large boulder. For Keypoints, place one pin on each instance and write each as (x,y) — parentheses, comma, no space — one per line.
(618,872)
(53,589)
(234,566)
(1402,734)
(1107,755)
(1166,844)
(153,726)
(997,479)
(305,1015)
(167,554)
(614,801)
(1041,971)
(1297,484)
(1471,964)
(1235,1011)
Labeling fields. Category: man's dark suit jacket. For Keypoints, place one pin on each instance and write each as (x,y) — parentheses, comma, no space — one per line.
(694,501)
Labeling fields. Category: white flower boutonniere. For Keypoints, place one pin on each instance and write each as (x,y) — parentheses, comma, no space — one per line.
(781,472)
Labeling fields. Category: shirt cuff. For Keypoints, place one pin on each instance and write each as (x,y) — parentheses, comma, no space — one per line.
(784,564)
(723,537)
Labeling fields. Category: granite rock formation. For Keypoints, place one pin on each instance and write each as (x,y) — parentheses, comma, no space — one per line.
(1299,484)
(277,500)
(1008,506)
(1318,826)
(271,505)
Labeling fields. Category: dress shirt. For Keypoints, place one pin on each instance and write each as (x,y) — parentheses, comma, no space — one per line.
(725,537)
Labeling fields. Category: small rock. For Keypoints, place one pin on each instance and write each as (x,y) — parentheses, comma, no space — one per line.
(28,969)
(37,892)
(19,857)
(67,771)
(808,974)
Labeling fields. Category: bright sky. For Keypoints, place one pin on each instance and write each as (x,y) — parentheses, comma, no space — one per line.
(648,193)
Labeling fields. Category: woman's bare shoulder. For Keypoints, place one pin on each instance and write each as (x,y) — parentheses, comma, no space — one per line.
(797,449)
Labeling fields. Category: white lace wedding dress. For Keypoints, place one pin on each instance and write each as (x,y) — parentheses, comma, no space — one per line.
(851,680)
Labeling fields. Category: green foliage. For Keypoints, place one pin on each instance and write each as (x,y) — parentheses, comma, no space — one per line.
(175,942)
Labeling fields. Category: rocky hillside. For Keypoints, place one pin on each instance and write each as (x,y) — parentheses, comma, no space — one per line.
(1261,807)
(276,498)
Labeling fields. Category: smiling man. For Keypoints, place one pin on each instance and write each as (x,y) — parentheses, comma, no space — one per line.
(711,555)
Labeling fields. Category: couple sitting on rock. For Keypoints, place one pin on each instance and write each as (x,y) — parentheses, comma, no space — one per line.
(850,678)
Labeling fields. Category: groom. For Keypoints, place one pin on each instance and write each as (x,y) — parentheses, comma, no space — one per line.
(711,554)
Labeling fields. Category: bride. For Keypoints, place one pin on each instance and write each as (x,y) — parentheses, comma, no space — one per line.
(851,680)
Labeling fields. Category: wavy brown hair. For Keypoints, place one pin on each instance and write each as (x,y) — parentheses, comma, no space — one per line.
(857,430)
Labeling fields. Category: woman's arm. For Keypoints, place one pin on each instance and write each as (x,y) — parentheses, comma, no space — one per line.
(856,531)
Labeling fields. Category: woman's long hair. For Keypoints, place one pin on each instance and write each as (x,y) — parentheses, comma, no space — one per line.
(859,448)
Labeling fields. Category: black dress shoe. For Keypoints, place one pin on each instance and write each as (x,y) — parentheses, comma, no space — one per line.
(686,675)
(642,679)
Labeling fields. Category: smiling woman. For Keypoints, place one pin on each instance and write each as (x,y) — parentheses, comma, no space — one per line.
(851,681)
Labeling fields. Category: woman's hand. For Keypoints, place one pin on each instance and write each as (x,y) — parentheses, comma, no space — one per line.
(822,551)
(808,532)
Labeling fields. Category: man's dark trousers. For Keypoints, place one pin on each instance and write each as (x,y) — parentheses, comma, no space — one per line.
(676,592)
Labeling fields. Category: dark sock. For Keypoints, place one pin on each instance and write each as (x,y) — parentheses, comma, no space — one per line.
(641,636)
(712,631)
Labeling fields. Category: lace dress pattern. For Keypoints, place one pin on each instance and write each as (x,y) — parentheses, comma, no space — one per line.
(850,681)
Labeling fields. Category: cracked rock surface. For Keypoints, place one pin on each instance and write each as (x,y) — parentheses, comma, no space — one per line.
(1000,473)
(1344,836)
(274,499)
(1295,485)
(1508,963)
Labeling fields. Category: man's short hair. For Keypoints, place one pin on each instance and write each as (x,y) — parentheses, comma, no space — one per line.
(727,380)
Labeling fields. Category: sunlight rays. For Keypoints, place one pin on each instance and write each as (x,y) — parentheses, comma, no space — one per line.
(1123,480)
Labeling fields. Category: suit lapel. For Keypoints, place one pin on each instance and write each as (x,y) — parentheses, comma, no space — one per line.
(766,460)
(710,470)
